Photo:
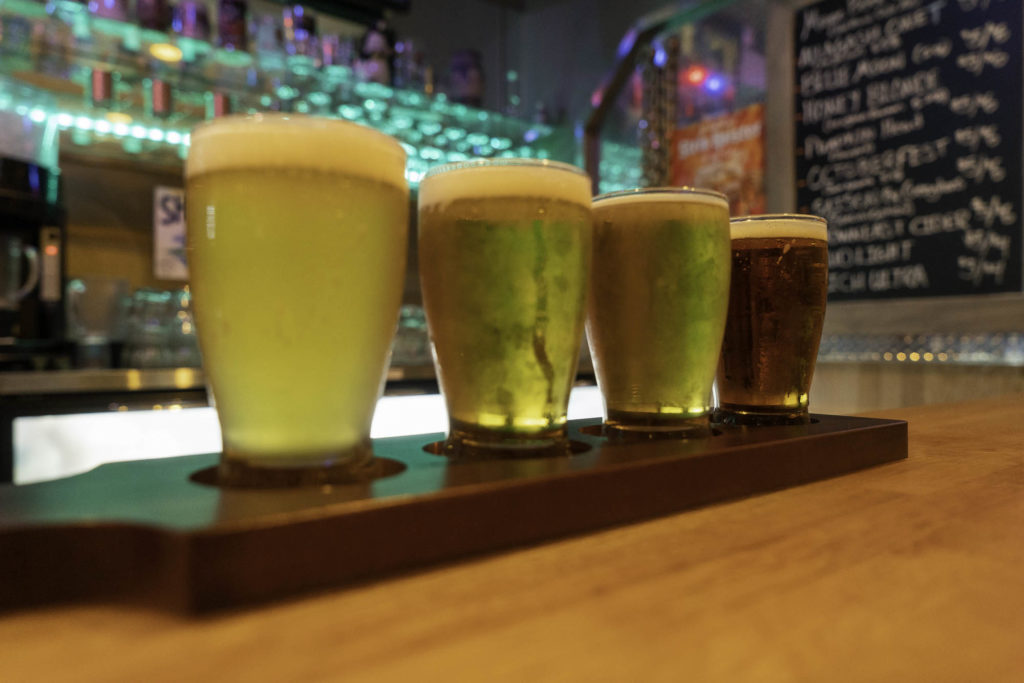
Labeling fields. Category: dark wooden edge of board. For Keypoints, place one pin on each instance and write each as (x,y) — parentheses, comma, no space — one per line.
(266,554)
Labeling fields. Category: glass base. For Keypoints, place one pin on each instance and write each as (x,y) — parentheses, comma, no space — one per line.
(472,442)
(351,466)
(648,427)
(760,416)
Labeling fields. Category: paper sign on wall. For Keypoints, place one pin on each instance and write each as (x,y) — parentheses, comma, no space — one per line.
(169,261)
(725,153)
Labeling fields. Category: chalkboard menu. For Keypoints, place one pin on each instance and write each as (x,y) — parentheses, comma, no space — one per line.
(909,141)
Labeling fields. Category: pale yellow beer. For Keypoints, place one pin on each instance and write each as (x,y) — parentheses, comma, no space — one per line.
(504,252)
(658,300)
(297,235)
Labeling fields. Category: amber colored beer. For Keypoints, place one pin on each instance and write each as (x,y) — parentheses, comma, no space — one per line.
(297,230)
(776,312)
(659,294)
(504,251)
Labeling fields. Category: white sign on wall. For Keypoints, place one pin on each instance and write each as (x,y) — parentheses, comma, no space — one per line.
(169,260)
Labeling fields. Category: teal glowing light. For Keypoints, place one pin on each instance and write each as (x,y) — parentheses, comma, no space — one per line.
(431,154)
(478,139)
(102,127)
(139,132)
(454,133)
(375,90)
(84,123)
(501,143)
(156,135)
(411,98)
(350,112)
(65,120)
(430,127)
(173,137)
(121,129)
(319,99)
(234,58)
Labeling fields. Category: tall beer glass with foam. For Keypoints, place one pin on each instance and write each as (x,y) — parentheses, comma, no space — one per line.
(504,249)
(297,236)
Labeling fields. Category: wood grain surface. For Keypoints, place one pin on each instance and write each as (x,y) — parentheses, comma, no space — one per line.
(906,572)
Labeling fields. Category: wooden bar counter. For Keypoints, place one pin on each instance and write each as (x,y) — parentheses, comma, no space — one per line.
(912,571)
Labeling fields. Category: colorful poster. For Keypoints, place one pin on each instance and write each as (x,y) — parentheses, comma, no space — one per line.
(725,153)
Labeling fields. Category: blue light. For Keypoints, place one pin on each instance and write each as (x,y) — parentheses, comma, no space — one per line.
(660,57)
(714,84)
(626,44)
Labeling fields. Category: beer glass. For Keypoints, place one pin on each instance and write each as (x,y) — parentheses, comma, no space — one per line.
(504,255)
(776,312)
(658,299)
(297,235)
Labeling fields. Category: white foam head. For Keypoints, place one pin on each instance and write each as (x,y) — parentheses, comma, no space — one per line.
(285,141)
(686,195)
(779,225)
(505,178)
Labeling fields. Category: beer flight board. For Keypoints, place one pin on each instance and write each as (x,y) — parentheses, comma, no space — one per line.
(160,532)
(909,141)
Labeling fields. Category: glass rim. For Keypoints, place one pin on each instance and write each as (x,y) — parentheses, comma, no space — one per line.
(810,218)
(662,189)
(301,119)
(504,161)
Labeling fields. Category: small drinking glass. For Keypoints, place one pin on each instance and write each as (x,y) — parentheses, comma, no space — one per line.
(776,313)
(658,299)
(504,249)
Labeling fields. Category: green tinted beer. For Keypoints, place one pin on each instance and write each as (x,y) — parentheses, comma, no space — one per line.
(297,231)
(504,255)
(658,298)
